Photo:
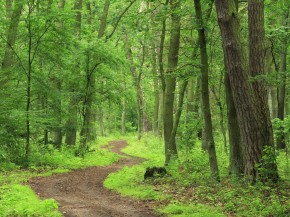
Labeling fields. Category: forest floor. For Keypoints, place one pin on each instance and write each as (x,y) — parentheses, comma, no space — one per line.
(81,192)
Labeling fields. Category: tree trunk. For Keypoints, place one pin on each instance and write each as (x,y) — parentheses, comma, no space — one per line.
(170,79)
(221,113)
(57,105)
(204,68)
(281,91)
(178,110)
(236,167)
(7,62)
(251,122)
(101,32)
(156,93)
(124,104)
(57,109)
(257,67)
(28,89)
(71,124)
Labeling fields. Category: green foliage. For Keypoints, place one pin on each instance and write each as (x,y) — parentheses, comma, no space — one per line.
(128,181)
(66,159)
(193,210)
(19,200)
(149,147)
(189,188)
(265,167)
(7,166)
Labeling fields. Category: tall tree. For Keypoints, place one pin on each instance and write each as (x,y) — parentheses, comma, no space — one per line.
(204,68)
(253,122)
(71,124)
(170,81)
(236,167)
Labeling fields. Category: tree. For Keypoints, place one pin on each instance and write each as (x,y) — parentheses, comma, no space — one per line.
(204,68)
(253,122)
(170,81)
(71,124)
(281,90)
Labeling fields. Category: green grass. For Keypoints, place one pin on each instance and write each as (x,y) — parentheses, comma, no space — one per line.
(128,182)
(20,200)
(192,210)
(189,189)
(17,199)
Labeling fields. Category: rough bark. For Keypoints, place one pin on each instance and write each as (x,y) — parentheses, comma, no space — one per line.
(250,119)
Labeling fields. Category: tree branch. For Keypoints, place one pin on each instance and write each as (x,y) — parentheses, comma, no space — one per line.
(119,19)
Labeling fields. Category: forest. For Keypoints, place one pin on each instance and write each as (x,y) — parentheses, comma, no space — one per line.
(144,108)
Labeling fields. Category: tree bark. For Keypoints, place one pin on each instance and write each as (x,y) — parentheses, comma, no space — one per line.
(250,119)
(170,82)
(236,167)
(204,68)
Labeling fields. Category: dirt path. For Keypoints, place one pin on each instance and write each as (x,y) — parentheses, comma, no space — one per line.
(81,192)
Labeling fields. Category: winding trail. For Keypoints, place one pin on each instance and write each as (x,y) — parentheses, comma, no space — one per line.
(80,193)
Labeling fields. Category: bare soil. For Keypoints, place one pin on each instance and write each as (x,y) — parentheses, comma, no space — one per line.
(81,192)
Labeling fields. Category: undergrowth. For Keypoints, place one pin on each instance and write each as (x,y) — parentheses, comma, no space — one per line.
(17,199)
(188,190)
(20,200)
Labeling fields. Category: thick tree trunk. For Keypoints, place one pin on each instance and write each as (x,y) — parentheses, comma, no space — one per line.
(170,79)
(251,122)
(257,67)
(204,68)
